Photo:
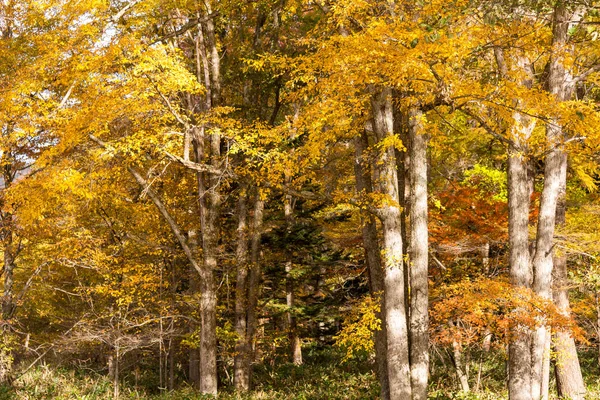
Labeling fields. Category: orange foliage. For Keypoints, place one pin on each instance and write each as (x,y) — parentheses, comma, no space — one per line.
(469,310)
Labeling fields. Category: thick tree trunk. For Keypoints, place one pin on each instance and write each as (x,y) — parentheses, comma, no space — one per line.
(208,295)
(419,259)
(519,349)
(542,260)
(209,205)
(560,83)
(569,380)
(392,253)
(364,185)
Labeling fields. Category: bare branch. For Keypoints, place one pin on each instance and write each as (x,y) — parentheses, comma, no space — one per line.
(162,209)
(195,166)
(115,18)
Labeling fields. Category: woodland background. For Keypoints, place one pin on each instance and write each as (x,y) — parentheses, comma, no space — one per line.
(310,199)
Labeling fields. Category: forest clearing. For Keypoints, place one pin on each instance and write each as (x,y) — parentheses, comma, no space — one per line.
(300,199)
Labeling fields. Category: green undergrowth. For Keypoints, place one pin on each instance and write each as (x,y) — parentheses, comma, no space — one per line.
(323,376)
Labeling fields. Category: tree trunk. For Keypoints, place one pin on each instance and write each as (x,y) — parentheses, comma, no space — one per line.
(208,295)
(241,377)
(364,185)
(116,373)
(560,83)
(171,381)
(8,304)
(569,380)
(247,292)
(403,165)
(461,372)
(254,282)
(291,322)
(598,323)
(542,260)
(519,349)
(392,252)
(209,202)
(194,353)
(209,208)
(419,259)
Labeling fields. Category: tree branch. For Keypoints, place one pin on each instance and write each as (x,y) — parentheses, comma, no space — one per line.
(161,208)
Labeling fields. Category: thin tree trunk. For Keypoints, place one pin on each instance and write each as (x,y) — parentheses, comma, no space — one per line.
(194,353)
(6,354)
(116,373)
(419,259)
(403,159)
(241,377)
(254,282)
(8,304)
(291,322)
(487,336)
(364,185)
(463,377)
(597,294)
(485,259)
(171,382)
(395,290)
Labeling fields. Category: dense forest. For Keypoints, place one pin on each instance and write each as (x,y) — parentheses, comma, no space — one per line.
(300,199)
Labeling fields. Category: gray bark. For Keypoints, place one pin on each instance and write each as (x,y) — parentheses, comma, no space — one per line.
(364,185)
(419,259)
(9,265)
(461,372)
(194,353)
(569,379)
(542,260)
(392,253)
(210,202)
(241,375)
(254,282)
(519,349)
(209,208)
(247,289)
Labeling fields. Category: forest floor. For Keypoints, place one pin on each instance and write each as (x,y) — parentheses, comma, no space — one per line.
(324,376)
